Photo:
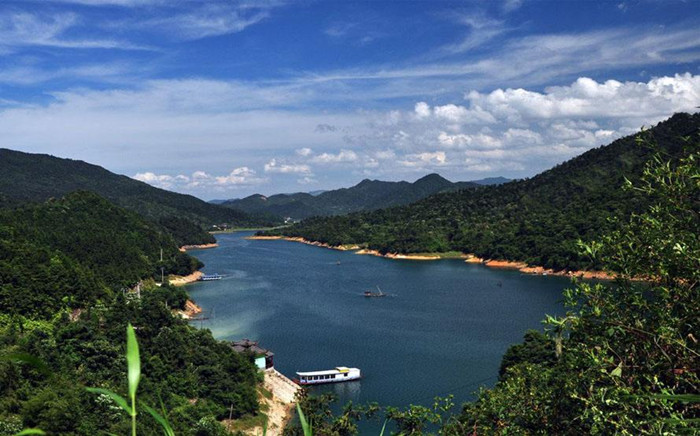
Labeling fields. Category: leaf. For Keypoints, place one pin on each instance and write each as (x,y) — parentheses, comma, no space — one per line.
(27,358)
(304,424)
(683,398)
(617,372)
(30,431)
(161,420)
(133,361)
(116,397)
(383,428)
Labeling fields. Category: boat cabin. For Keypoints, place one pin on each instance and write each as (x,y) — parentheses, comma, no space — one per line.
(339,374)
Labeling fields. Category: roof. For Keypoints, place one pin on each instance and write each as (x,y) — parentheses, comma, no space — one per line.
(246,345)
(338,370)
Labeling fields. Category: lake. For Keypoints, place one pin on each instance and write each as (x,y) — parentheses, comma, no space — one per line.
(442,329)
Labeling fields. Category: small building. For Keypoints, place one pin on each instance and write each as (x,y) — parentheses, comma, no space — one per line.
(263,357)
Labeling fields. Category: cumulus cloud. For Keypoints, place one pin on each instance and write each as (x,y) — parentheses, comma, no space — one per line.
(340,157)
(273,166)
(424,160)
(242,176)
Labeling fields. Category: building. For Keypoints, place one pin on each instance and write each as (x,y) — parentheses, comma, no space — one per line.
(263,357)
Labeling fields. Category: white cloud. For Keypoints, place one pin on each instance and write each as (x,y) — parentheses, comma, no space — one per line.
(305,151)
(29,29)
(340,157)
(276,167)
(425,159)
(242,176)
(422,109)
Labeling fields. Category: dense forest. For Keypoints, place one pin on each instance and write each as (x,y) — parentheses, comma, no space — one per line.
(537,220)
(26,177)
(366,195)
(66,269)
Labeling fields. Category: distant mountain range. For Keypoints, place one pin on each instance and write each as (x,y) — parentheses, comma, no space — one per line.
(536,220)
(366,195)
(26,177)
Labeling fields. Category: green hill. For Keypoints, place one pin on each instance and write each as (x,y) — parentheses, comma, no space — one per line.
(26,177)
(64,265)
(536,220)
(78,249)
(366,195)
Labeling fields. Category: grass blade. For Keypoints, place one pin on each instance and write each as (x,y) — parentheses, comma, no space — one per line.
(27,358)
(383,428)
(161,420)
(133,360)
(304,424)
(116,397)
(30,431)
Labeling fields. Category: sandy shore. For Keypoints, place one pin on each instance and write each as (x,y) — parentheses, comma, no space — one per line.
(191,310)
(183,280)
(468,258)
(198,247)
(348,247)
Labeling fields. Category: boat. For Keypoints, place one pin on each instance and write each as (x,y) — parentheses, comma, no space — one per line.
(207,277)
(379,293)
(337,375)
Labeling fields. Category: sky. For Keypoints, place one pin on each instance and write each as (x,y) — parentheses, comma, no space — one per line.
(223,98)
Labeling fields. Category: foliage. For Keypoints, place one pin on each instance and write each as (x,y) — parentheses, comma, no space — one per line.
(628,354)
(316,416)
(536,220)
(61,271)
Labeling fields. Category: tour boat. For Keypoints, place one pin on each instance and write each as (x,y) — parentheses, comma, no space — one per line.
(339,374)
(207,277)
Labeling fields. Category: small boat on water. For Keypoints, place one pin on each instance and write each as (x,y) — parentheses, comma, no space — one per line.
(337,375)
(207,277)
(379,293)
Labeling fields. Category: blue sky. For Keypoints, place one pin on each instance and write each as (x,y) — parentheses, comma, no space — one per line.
(225,98)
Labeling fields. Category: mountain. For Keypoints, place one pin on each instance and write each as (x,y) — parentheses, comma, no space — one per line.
(366,195)
(491,181)
(537,220)
(26,177)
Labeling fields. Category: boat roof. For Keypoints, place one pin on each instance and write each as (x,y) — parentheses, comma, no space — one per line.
(337,370)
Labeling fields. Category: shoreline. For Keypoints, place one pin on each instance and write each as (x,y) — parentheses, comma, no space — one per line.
(191,310)
(198,246)
(184,280)
(522,267)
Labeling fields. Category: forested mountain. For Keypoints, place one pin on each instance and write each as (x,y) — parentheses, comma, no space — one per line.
(63,267)
(366,195)
(536,220)
(26,177)
(77,250)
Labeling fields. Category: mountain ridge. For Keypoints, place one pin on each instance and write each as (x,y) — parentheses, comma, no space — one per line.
(368,194)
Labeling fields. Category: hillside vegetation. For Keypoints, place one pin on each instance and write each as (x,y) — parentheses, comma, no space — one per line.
(65,270)
(26,177)
(537,220)
(366,195)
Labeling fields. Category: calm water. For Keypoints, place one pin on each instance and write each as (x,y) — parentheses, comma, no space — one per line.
(442,330)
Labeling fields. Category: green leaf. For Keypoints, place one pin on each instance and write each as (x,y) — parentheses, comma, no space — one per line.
(383,428)
(617,372)
(116,397)
(304,424)
(27,358)
(30,431)
(167,430)
(133,361)
(683,398)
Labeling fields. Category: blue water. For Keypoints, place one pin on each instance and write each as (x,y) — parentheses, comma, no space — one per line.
(442,330)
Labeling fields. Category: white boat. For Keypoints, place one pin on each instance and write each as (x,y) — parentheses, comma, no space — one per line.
(337,375)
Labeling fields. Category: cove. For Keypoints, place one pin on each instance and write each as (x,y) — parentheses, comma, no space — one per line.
(442,330)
